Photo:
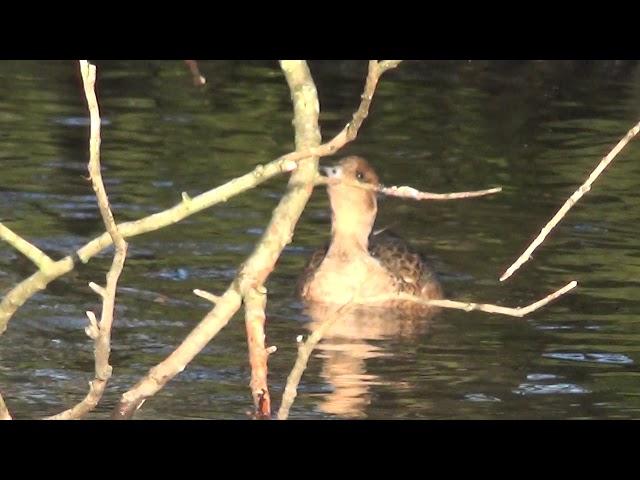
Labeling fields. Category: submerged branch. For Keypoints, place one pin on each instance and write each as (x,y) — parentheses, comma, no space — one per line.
(571,201)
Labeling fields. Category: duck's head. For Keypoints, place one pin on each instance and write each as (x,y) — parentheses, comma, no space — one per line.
(353,208)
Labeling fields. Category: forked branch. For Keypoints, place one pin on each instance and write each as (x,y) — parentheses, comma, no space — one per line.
(17,296)
(259,265)
(100,331)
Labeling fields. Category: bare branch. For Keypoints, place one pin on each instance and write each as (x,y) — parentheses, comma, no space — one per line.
(388,64)
(189,206)
(412,193)
(207,296)
(350,131)
(97,289)
(577,195)
(470,306)
(280,231)
(254,305)
(33,253)
(304,352)
(17,296)
(408,192)
(4,411)
(99,332)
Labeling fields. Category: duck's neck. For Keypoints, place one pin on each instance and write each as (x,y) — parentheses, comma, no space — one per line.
(348,243)
(351,225)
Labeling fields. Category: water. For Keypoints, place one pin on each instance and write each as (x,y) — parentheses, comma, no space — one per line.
(535,128)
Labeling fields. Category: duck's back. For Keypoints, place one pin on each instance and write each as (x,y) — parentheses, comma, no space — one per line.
(409,270)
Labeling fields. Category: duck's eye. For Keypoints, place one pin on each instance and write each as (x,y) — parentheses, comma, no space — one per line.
(359,175)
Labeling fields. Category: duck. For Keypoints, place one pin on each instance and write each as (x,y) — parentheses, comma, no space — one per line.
(359,266)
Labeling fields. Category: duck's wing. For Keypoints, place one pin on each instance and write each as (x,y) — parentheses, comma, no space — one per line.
(411,271)
(311,267)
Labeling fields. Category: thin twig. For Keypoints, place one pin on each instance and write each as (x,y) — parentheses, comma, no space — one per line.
(99,332)
(412,193)
(577,195)
(408,192)
(4,411)
(471,306)
(207,295)
(350,130)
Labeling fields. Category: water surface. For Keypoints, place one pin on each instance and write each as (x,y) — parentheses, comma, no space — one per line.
(535,128)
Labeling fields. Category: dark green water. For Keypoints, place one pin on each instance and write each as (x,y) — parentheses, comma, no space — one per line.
(535,128)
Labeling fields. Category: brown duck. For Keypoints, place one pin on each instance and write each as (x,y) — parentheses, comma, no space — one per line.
(358,266)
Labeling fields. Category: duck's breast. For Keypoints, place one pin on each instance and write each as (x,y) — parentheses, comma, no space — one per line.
(340,280)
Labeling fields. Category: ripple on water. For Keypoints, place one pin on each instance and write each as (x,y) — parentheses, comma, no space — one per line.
(481,397)
(607,358)
(541,376)
(181,274)
(549,389)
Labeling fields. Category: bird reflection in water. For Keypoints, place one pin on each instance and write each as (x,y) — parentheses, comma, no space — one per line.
(345,338)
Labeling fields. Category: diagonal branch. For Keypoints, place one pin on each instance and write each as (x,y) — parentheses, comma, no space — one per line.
(33,253)
(99,332)
(571,201)
(305,349)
